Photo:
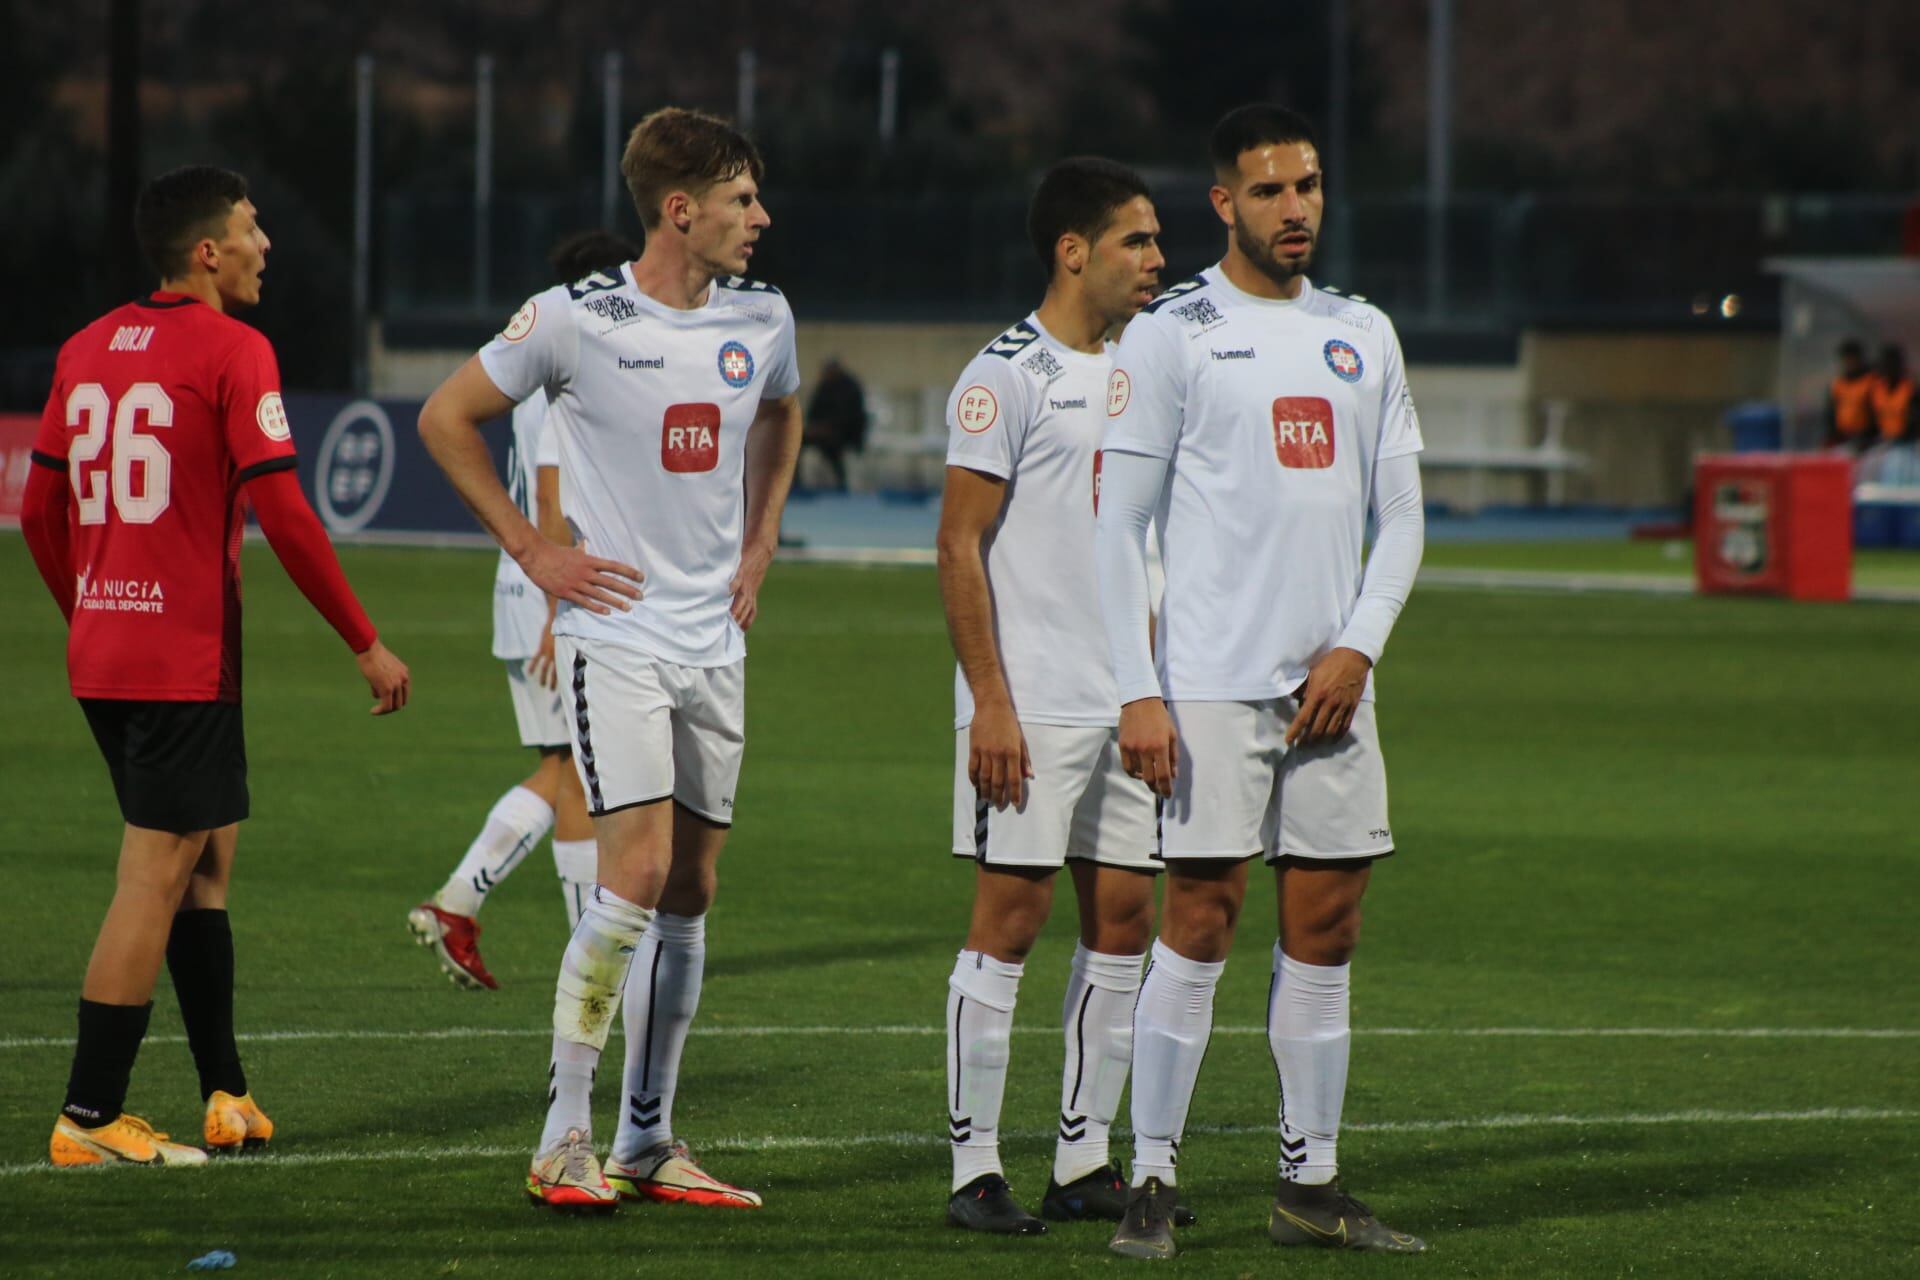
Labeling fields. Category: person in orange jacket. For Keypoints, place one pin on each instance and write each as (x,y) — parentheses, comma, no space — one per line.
(1890,398)
(1849,414)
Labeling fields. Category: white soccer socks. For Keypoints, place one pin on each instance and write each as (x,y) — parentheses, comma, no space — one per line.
(592,973)
(517,822)
(1098,1019)
(1171,1025)
(1309,1031)
(980,999)
(578,862)
(662,993)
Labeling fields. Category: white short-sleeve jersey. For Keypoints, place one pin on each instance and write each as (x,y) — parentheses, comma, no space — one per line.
(519,607)
(1272,415)
(651,408)
(1030,410)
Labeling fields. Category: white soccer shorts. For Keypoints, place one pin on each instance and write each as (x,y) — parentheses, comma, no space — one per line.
(644,729)
(1241,790)
(1080,804)
(538,710)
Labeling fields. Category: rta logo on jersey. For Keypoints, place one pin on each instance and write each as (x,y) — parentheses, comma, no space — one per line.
(690,437)
(736,364)
(1098,454)
(1119,391)
(1303,432)
(1344,360)
(978,409)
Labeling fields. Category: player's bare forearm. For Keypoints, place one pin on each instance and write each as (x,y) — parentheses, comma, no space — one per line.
(773,450)
(450,428)
(968,508)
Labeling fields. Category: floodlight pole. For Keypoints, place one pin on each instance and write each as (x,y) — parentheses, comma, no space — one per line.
(362,216)
(743,104)
(889,95)
(1339,90)
(609,138)
(482,181)
(1439,149)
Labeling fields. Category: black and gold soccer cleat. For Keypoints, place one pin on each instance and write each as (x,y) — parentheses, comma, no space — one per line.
(1330,1218)
(1097,1196)
(987,1204)
(1146,1228)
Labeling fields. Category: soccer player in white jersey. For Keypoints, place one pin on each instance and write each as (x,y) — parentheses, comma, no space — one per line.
(1037,777)
(673,382)
(1257,419)
(550,798)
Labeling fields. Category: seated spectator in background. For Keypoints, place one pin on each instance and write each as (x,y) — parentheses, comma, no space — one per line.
(1890,397)
(836,422)
(1849,415)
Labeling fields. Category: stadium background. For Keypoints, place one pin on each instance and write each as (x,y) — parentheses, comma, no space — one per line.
(1640,994)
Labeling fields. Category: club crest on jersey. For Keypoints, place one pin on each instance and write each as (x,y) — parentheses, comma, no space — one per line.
(1344,360)
(736,364)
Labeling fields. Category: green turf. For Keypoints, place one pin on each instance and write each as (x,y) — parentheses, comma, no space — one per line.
(1614,812)
(1873,567)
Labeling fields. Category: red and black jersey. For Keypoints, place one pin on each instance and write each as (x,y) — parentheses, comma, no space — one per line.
(161,410)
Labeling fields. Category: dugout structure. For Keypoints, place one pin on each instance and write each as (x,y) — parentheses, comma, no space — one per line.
(1825,302)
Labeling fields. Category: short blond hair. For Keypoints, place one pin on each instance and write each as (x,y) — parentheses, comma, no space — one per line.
(674,149)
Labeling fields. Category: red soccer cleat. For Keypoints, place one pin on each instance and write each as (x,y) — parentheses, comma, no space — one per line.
(456,941)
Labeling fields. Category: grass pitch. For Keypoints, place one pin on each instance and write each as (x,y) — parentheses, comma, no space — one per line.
(1640,993)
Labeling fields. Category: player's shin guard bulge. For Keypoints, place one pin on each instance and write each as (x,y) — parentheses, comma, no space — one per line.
(1171,1026)
(980,1000)
(1097,1019)
(663,993)
(594,969)
(1309,1032)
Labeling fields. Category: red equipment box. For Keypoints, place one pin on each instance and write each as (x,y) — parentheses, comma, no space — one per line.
(1773,524)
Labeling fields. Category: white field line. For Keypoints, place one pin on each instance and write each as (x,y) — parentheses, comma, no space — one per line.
(932,1139)
(1539,1033)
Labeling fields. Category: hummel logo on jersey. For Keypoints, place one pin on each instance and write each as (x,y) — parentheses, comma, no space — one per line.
(1012,341)
(131,337)
(643,362)
(1238,353)
(615,308)
(1042,363)
(1303,432)
(690,437)
(598,282)
(1061,406)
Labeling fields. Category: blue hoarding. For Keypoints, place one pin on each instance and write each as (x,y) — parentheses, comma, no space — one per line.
(366,472)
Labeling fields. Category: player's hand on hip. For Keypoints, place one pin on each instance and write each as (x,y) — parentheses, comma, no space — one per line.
(540,665)
(1149,746)
(569,573)
(1329,698)
(745,586)
(387,678)
(997,761)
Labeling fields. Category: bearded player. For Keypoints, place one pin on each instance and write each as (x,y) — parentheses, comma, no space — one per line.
(1258,420)
(672,382)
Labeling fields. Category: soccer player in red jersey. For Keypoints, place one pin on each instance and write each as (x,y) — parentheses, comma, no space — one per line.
(165,420)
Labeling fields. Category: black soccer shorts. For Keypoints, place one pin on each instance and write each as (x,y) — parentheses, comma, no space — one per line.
(176,766)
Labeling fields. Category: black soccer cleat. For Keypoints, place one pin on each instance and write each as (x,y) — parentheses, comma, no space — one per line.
(1146,1228)
(987,1204)
(1100,1196)
(1330,1218)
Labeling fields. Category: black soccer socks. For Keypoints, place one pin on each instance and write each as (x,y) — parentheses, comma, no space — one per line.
(200,958)
(110,1036)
